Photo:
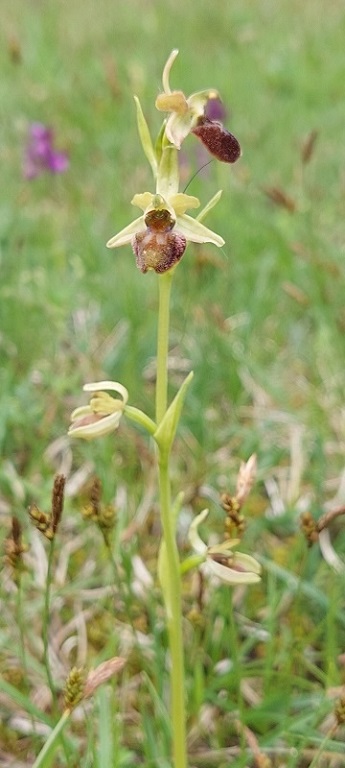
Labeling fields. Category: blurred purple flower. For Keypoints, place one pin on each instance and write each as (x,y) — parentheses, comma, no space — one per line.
(215,110)
(40,154)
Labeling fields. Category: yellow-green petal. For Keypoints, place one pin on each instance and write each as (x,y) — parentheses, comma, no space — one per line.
(142,200)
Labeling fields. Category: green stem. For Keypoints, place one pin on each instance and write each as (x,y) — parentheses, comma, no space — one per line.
(328,736)
(140,418)
(172,578)
(164,283)
(173,604)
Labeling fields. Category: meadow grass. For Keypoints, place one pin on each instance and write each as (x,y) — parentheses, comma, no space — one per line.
(261,324)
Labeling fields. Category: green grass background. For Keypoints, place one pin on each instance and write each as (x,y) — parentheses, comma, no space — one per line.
(261,323)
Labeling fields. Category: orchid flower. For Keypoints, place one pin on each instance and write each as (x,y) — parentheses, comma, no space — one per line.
(159,237)
(184,112)
(232,567)
(103,413)
(190,115)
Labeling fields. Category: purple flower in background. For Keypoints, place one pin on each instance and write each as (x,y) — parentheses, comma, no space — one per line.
(40,154)
(215,110)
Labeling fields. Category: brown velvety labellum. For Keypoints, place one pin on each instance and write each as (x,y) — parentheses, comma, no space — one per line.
(158,247)
(219,142)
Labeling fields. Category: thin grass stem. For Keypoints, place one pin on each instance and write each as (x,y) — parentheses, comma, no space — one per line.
(44,758)
(45,633)
(46,619)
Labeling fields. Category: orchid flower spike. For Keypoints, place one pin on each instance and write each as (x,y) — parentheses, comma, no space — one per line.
(188,115)
(103,413)
(160,236)
(232,567)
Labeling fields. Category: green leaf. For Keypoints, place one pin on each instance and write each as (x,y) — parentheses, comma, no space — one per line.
(165,434)
(106,746)
(24,702)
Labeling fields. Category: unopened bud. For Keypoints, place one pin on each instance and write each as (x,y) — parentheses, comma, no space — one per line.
(245,479)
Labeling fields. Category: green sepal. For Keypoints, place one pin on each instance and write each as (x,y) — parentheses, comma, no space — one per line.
(165,433)
(145,138)
(208,207)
